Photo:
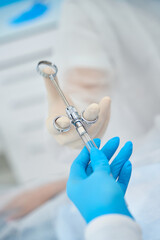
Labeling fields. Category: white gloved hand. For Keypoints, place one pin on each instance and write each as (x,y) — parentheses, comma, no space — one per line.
(56,107)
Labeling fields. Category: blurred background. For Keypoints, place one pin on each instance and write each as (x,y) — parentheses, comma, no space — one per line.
(28,34)
(123,40)
(28,31)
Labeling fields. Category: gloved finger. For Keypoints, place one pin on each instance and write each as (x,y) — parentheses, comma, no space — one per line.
(121,158)
(51,90)
(98,128)
(78,168)
(125,175)
(63,122)
(91,112)
(99,161)
(55,103)
(110,147)
(89,169)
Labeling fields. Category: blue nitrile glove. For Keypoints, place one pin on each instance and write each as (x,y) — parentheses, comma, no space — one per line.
(99,188)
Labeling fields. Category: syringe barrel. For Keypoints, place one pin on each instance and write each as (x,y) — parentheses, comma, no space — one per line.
(77,121)
(89,143)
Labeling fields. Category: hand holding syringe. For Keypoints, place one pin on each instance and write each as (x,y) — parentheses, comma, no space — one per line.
(79,122)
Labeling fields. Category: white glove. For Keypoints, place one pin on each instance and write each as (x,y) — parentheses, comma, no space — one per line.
(56,107)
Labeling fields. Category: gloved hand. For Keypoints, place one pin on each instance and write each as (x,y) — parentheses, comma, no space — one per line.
(99,188)
(56,107)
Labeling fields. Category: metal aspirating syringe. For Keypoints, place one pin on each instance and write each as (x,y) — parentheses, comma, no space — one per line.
(77,120)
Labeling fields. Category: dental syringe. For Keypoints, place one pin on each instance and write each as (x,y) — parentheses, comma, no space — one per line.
(77,120)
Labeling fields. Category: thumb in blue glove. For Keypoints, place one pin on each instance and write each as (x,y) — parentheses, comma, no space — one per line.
(99,188)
